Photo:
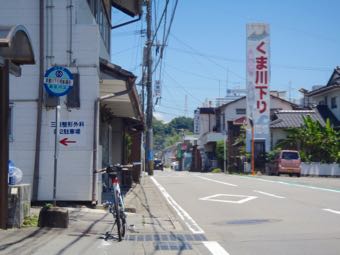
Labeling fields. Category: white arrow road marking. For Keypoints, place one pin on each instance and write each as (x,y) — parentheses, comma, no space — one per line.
(332,211)
(212,180)
(241,198)
(268,194)
(215,248)
(192,225)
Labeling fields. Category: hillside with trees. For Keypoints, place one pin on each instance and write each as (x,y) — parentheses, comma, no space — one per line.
(166,134)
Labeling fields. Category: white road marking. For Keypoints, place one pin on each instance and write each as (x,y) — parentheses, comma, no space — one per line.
(332,211)
(192,225)
(268,194)
(293,184)
(225,183)
(215,248)
(240,201)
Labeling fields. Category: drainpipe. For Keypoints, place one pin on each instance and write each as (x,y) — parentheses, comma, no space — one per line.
(95,135)
(35,188)
(69,51)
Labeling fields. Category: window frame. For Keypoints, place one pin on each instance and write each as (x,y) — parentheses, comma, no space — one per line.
(240,111)
(334,103)
(10,122)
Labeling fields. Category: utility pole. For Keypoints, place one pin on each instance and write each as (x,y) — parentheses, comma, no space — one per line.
(4,94)
(149,110)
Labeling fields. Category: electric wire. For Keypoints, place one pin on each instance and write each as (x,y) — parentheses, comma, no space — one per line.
(197,99)
(166,36)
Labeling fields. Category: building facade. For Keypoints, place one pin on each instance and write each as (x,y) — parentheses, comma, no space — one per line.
(74,34)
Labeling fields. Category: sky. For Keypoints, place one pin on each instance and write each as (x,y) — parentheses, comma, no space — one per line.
(206,48)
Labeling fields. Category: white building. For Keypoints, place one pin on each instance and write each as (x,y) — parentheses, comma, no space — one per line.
(75,34)
(327,98)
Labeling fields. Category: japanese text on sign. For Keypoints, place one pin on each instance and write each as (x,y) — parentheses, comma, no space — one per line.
(69,127)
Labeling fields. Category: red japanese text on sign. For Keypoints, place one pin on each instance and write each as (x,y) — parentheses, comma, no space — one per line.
(261,78)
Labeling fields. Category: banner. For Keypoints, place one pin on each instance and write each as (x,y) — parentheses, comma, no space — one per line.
(258,83)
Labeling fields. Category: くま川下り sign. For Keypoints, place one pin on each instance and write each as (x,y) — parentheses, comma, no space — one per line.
(58,81)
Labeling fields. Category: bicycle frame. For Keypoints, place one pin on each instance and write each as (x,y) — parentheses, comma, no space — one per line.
(117,208)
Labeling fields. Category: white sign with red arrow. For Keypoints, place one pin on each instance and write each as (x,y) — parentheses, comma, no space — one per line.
(65,141)
(72,132)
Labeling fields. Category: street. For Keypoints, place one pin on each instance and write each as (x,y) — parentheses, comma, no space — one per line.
(257,215)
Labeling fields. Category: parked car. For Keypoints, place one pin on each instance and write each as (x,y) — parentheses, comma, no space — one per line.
(158,164)
(285,162)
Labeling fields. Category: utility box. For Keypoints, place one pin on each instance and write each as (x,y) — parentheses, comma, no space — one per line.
(19,204)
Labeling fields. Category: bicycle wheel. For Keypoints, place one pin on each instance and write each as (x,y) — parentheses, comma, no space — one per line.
(119,222)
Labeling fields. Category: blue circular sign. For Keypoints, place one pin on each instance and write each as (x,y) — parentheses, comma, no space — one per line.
(58,81)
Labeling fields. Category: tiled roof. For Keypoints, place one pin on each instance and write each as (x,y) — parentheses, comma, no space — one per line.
(294,118)
(333,83)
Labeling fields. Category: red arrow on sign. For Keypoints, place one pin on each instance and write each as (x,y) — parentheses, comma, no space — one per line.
(65,141)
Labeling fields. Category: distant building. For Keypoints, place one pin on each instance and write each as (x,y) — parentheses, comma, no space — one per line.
(326,98)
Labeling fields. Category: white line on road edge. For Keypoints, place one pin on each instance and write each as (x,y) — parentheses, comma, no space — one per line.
(268,194)
(192,225)
(215,248)
(225,183)
(292,184)
(332,211)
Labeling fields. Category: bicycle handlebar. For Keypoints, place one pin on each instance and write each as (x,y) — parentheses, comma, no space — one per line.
(114,168)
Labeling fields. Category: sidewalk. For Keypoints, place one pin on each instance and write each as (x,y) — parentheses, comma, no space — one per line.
(154,228)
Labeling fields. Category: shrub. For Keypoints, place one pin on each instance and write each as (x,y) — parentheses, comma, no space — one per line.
(216,170)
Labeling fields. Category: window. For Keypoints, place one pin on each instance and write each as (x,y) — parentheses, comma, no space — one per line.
(10,123)
(240,111)
(333,103)
(73,97)
(102,17)
(50,101)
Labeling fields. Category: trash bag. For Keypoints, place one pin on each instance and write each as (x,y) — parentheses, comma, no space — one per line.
(14,174)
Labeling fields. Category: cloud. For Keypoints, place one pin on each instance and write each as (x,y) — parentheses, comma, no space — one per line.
(162,117)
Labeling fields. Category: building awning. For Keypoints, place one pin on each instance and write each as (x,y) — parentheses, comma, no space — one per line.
(121,106)
(15,45)
(130,7)
(117,88)
(240,121)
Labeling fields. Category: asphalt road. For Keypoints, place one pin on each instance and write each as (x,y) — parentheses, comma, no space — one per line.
(242,215)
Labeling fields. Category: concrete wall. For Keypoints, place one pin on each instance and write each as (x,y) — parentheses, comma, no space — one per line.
(318,169)
(277,134)
(207,123)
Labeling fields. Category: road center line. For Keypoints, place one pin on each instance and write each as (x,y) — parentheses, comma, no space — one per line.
(190,222)
(268,194)
(215,248)
(332,211)
(212,180)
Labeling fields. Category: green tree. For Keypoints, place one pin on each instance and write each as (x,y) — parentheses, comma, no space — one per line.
(167,134)
(315,142)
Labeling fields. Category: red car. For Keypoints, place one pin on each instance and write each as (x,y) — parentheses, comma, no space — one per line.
(286,162)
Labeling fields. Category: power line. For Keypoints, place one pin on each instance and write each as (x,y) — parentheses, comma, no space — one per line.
(208,58)
(166,36)
(198,100)
(194,52)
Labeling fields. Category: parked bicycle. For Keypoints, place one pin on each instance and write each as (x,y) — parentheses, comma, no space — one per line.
(116,207)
